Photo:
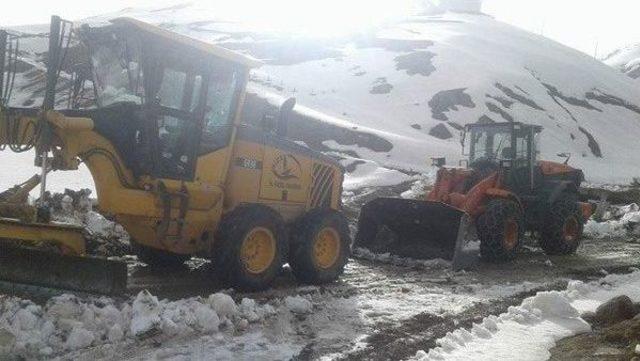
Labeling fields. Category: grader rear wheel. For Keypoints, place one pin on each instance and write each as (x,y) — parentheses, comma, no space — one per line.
(320,247)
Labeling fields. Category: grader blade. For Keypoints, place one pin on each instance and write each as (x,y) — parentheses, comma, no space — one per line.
(22,263)
(416,229)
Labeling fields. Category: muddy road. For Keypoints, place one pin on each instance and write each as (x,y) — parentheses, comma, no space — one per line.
(380,311)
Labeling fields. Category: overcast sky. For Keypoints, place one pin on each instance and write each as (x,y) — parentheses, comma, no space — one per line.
(582,24)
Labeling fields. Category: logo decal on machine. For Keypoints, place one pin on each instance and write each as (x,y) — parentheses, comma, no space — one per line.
(286,167)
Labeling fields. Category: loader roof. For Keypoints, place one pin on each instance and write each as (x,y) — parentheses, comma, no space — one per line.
(199,45)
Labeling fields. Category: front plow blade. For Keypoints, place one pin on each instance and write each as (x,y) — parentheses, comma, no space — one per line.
(416,229)
(52,270)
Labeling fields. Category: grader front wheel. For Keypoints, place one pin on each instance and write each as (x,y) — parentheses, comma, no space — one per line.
(250,248)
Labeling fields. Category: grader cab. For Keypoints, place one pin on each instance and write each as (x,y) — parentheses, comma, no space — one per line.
(155,117)
(503,192)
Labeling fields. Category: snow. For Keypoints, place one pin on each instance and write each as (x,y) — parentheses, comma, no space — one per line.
(224,305)
(388,258)
(146,314)
(535,326)
(626,59)
(370,174)
(298,304)
(68,323)
(616,222)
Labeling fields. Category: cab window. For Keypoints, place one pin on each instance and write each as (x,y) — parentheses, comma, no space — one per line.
(221,103)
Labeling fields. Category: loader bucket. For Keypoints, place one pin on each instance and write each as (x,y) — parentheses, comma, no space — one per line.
(416,229)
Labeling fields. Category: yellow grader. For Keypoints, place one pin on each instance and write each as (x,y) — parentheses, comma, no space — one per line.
(156,118)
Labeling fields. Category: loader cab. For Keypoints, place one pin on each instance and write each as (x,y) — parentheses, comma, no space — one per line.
(510,147)
(180,95)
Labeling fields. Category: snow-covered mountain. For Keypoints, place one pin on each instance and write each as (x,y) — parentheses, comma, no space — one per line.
(626,59)
(387,99)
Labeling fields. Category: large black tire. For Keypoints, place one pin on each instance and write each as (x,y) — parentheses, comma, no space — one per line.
(501,230)
(320,247)
(157,258)
(563,225)
(244,238)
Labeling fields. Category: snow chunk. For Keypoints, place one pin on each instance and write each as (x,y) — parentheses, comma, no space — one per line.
(207,319)
(248,309)
(146,314)
(551,303)
(224,305)
(79,338)
(115,333)
(299,305)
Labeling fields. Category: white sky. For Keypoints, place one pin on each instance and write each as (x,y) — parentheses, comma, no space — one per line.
(577,23)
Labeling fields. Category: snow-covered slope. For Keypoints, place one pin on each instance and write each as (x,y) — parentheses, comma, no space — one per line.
(399,93)
(626,59)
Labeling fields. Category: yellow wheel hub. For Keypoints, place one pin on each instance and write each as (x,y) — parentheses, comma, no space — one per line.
(326,248)
(258,250)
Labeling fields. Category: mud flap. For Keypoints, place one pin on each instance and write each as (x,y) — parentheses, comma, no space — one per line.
(51,270)
(416,229)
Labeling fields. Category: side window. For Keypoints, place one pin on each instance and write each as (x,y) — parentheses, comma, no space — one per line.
(219,111)
(522,148)
(502,146)
(172,89)
(178,95)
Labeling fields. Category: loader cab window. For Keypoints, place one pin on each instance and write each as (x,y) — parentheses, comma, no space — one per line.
(491,144)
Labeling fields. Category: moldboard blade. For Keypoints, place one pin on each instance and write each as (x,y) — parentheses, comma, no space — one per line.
(52,270)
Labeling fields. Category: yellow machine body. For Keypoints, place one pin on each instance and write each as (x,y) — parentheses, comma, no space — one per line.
(180,214)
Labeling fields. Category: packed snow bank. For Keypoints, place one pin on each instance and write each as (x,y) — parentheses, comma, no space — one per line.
(535,326)
(615,222)
(67,323)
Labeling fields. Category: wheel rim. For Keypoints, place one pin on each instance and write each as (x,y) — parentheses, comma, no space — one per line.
(510,240)
(570,230)
(326,248)
(258,250)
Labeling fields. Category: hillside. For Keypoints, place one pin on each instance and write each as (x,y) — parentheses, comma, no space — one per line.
(387,99)
(626,59)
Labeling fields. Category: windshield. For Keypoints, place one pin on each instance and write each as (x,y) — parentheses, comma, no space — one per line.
(117,72)
(491,143)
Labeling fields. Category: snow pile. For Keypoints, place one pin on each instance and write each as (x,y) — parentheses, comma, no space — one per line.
(370,174)
(615,222)
(104,237)
(363,253)
(535,326)
(68,323)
